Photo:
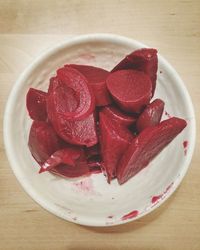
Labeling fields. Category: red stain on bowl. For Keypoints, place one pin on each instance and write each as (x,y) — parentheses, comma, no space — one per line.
(130,215)
(185,146)
(84,185)
(167,114)
(156,198)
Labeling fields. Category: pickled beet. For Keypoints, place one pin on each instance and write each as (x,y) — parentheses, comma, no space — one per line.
(130,89)
(114,139)
(148,144)
(97,80)
(151,115)
(36,104)
(145,60)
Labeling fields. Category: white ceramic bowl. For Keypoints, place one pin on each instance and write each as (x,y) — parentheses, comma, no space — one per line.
(91,201)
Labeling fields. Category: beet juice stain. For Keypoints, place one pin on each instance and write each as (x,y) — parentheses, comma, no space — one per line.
(130,215)
(185,146)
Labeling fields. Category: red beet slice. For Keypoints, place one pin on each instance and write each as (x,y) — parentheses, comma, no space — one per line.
(73,79)
(71,156)
(36,104)
(116,115)
(79,132)
(130,89)
(145,60)
(76,132)
(148,144)
(151,115)
(43,141)
(114,139)
(96,78)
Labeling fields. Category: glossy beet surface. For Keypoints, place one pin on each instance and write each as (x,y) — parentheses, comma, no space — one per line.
(151,115)
(36,104)
(148,144)
(130,89)
(97,80)
(114,139)
(145,60)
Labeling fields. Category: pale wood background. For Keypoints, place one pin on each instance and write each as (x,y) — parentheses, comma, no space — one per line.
(29,27)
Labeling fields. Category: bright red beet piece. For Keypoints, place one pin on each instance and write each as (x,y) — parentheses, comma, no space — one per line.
(147,145)
(73,79)
(71,156)
(145,60)
(43,141)
(78,132)
(96,78)
(114,139)
(151,115)
(130,89)
(116,115)
(36,104)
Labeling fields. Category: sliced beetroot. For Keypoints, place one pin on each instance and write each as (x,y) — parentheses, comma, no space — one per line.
(116,115)
(71,79)
(151,115)
(81,132)
(147,145)
(78,132)
(43,141)
(67,171)
(70,156)
(114,139)
(130,89)
(36,104)
(96,78)
(145,60)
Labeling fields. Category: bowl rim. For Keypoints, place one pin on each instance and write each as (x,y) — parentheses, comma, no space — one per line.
(103,37)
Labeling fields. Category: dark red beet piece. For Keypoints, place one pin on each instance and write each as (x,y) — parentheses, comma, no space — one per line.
(43,141)
(73,79)
(116,115)
(145,60)
(79,132)
(151,115)
(96,78)
(36,104)
(92,151)
(71,156)
(67,171)
(130,89)
(114,139)
(148,144)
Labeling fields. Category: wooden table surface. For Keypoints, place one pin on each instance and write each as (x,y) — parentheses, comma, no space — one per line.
(29,27)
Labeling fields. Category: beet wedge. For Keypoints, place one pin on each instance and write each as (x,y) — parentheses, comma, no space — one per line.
(131,89)
(72,79)
(145,60)
(116,115)
(114,139)
(151,115)
(36,104)
(147,145)
(97,80)
(78,132)
(43,141)
(70,156)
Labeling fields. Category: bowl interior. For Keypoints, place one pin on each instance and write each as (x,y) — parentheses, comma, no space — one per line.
(90,200)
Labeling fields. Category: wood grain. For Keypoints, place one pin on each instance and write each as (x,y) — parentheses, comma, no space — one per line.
(29,27)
